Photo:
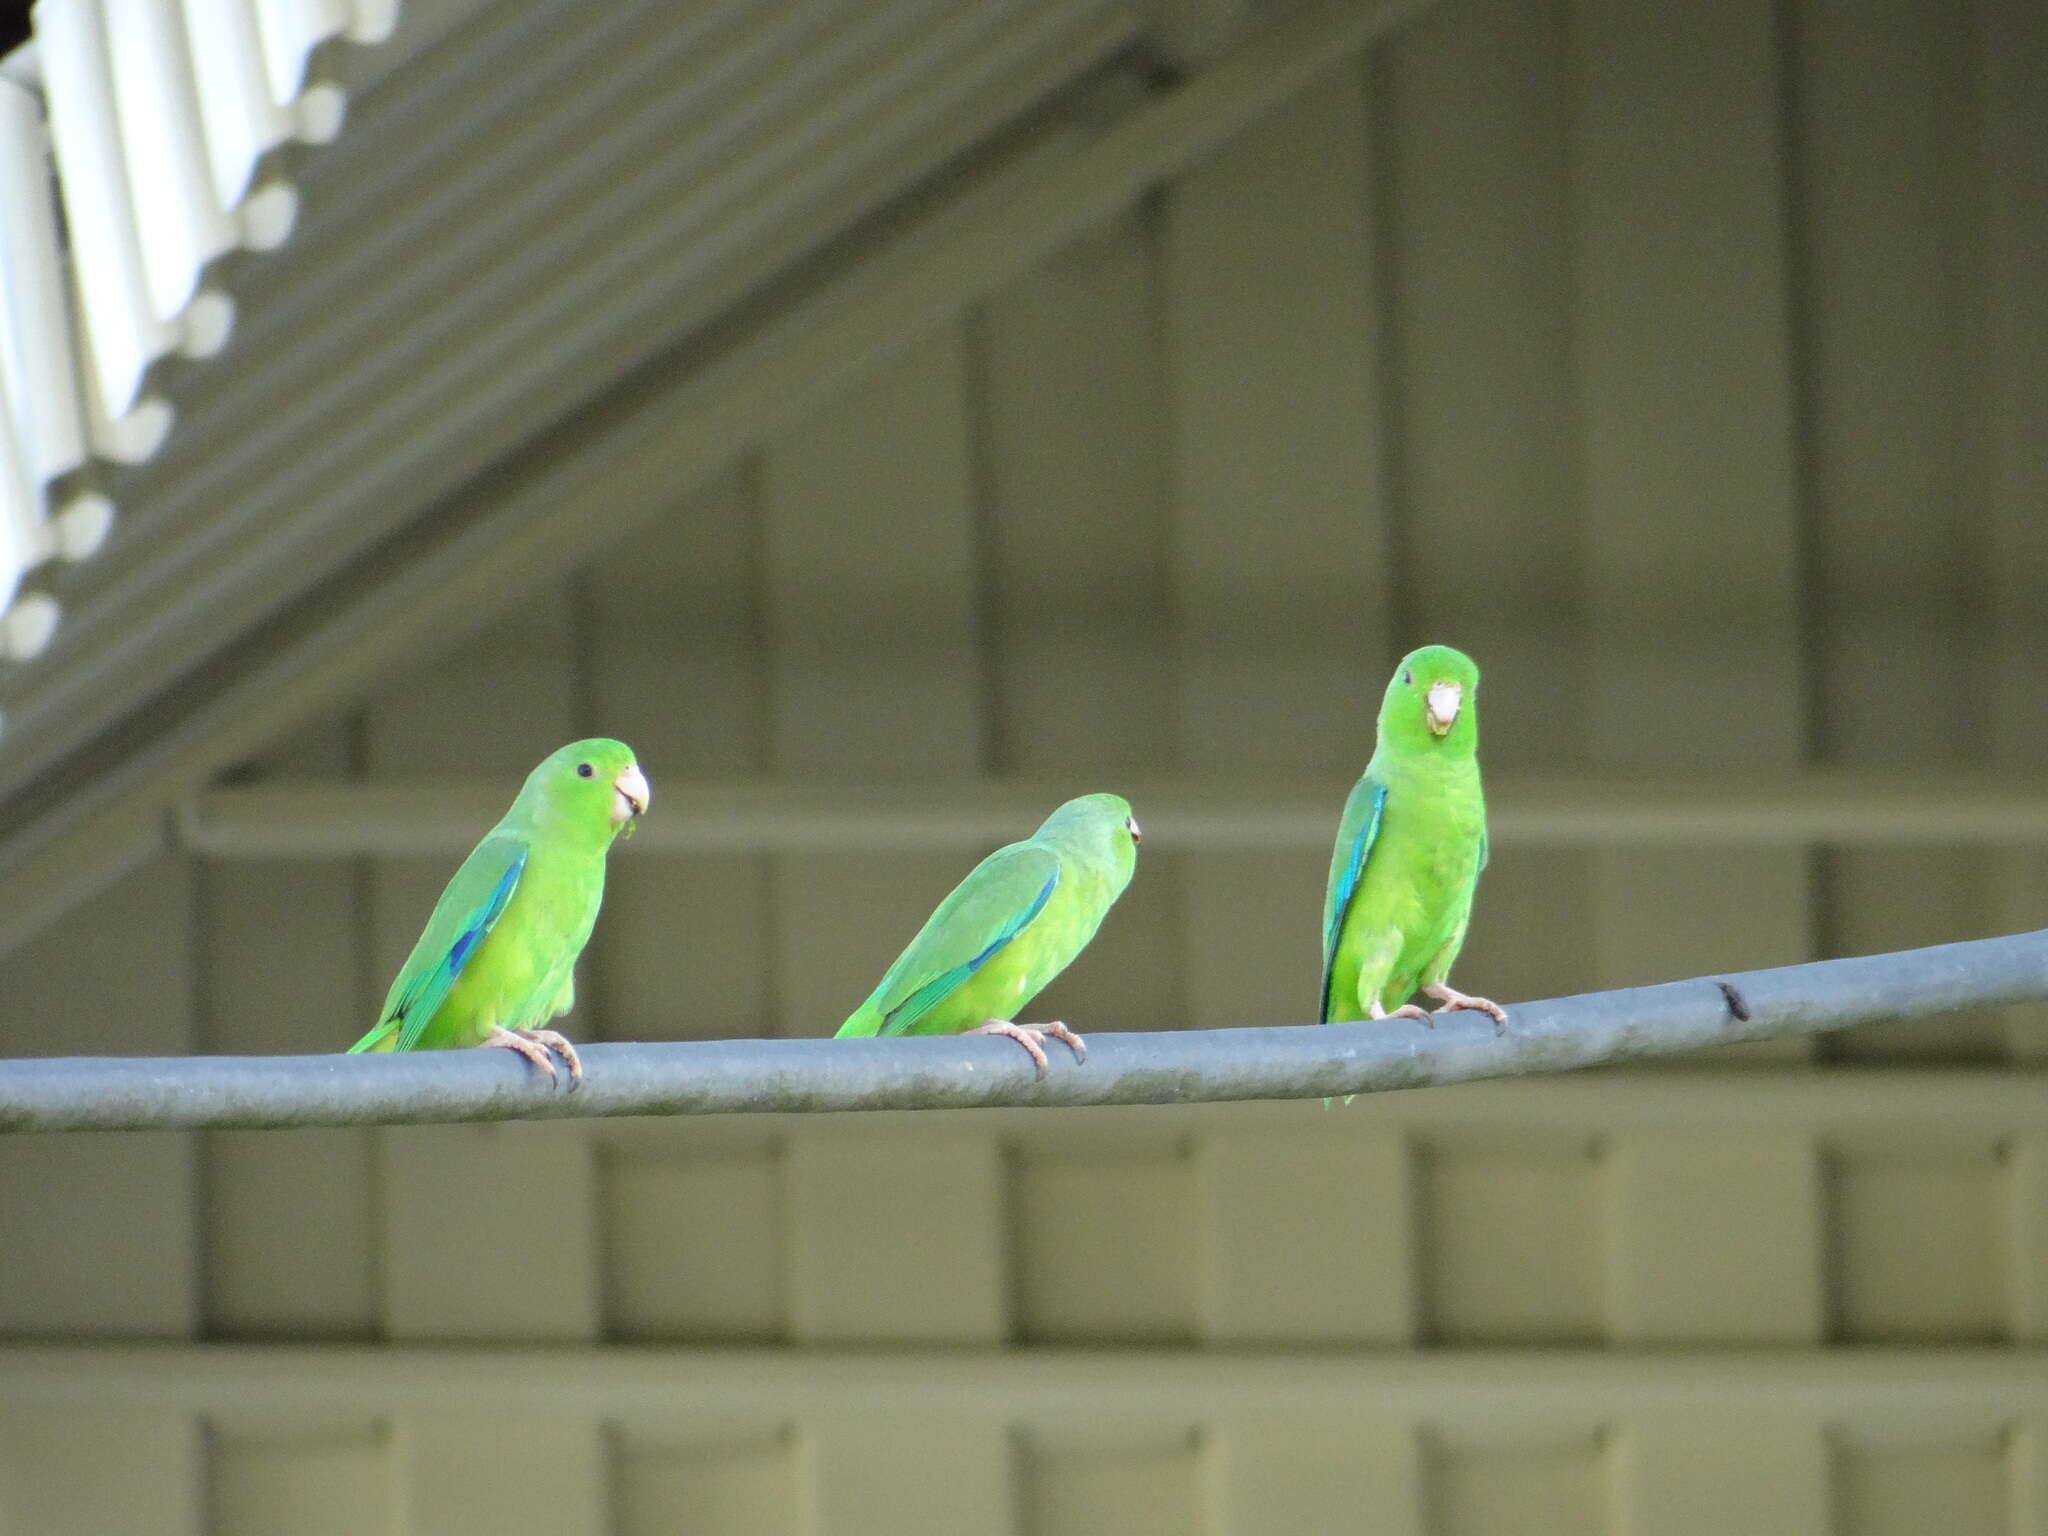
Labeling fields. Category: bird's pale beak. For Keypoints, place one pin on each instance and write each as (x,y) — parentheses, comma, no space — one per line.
(1131,826)
(629,794)
(1444,702)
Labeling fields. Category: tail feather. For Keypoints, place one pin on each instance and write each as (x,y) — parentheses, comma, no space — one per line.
(866,1020)
(376,1039)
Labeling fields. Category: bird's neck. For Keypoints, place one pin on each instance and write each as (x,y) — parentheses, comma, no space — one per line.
(1436,769)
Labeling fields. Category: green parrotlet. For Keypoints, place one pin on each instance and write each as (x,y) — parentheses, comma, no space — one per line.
(1017,920)
(498,957)
(1409,850)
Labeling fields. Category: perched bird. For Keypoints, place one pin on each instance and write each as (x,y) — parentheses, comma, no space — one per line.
(498,957)
(1017,920)
(1409,850)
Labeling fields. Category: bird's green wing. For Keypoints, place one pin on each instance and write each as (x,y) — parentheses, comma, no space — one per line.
(1356,832)
(995,903)
(473,902)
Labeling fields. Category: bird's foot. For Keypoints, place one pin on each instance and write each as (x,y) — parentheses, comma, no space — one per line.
(1067,1037)
(534,1045)
(559,1044)
(1032,1038)
(1405,1011)
(1451,999)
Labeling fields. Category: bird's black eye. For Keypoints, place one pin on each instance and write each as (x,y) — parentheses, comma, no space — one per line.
(584,770)
(1407,677)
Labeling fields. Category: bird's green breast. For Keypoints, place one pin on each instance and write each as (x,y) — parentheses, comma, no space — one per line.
(1419,879)
(518,970)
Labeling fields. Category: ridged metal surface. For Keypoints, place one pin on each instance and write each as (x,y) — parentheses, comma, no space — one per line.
(527,200)
(155,129)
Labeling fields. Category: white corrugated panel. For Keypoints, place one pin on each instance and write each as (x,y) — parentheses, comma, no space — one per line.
(39,436)
(180,221)
(242,123)
(37,358)
(372,21)
(18,503)
(123,336)
(292,29)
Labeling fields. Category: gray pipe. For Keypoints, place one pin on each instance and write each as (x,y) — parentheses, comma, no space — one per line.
(965,1072)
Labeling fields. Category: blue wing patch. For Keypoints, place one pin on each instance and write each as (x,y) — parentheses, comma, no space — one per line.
(420,1005)
(1347,887)
(906,1013)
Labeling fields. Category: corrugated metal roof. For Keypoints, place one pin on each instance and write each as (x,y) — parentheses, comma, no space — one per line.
(527,200)
(139,147)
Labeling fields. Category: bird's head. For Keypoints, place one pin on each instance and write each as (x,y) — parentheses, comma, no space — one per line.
(593,786)
(1103,824)
(1430,703)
